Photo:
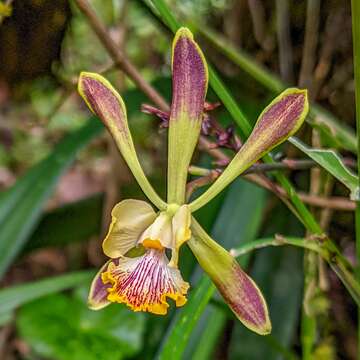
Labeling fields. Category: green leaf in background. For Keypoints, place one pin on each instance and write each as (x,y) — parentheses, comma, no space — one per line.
(239,218)
(331,162)
(21,205)
(61,327)
(13,297)
(68,224)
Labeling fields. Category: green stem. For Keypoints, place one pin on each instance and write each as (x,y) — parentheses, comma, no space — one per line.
(279,241)
(302,211)
(325,249)
(355,15)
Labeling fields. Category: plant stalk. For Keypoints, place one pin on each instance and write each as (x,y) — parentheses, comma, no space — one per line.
(355,15)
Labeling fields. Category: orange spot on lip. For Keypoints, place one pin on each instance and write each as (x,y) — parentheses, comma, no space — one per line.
(152,244)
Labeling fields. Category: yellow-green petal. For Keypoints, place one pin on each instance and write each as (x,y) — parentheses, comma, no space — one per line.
(159,234)
(130,218)
(181,231)
(278,121)
(238,290)
(189,79)
(104,101)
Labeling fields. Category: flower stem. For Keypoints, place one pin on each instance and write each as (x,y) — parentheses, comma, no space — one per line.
(355,15)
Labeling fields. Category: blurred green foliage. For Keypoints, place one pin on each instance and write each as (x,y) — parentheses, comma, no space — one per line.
(63,328)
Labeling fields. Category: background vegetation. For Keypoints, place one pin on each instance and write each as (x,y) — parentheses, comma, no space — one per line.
(60,175)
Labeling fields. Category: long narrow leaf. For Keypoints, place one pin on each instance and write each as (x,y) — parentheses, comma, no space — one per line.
(21,207)
(331,162)
(12,298)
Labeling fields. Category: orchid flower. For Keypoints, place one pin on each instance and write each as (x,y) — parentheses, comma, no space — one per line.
(139,272)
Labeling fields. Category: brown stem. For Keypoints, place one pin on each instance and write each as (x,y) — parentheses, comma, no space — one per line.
(119,57)
(284,40)
(335,202)
(200,182)
(310,43)
(286,164)
(257,13)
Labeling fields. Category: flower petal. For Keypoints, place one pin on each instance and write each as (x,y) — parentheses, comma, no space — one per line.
(159,234)
(190,79)
(99,291)
(104,101)
(181,231)
(129,220)
(237,288)
(144,283)
(278,121)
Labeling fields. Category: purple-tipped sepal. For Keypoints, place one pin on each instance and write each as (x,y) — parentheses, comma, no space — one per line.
(189,86)
(280,119)
(238,290)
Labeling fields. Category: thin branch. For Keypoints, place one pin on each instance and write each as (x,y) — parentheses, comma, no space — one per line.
(257,13)
(334,202)
(286,164)
(277,241)
(118,56)
(323,248)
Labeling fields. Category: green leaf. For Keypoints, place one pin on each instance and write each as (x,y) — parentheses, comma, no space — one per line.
(331,162)
(238,220)
(21,205)
(13,297)
(68,224)
(63,328)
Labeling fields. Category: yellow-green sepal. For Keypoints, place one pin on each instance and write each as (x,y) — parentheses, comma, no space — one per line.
(105,102)
(237,288)
(190,80)
(277,122)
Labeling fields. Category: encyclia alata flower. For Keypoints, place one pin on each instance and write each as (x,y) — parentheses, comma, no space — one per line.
(139,272)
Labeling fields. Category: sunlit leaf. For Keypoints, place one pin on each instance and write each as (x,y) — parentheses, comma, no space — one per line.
(331,162)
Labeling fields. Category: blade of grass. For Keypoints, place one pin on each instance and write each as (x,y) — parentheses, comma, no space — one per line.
(21,207)
(332,162)
(355,15)
(13,297)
